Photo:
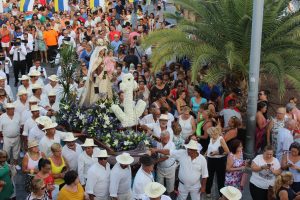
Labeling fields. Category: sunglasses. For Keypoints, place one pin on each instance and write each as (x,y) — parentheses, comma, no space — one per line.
(102,158)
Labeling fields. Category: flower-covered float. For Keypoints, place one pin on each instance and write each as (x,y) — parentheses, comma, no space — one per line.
(113,126)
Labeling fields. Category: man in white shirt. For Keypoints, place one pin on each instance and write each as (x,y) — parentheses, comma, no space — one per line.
(19,56)
(152,117)
(86,159)
(52,136)
(143,177)
(21,104)
(37,66)
(10,126)
(120,178)
(52,85)
(37,133)
(31,122)
(155,129)
(25,85)
(6,87)
(166,166)
(193,171)
(71,152)
(35,78)
(29,48)
(229,112)
(66,38)
(98,177)
(37,92)
(27,113)
(285,137)
(155,190)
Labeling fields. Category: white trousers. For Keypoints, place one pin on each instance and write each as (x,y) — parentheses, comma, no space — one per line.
(184,192)
(169,175)
(12,144)
(126,196)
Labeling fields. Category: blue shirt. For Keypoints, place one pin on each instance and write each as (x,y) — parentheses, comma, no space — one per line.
(85,57)
(115,45)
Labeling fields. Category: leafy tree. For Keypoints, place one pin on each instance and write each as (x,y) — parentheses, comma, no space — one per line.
(220,37)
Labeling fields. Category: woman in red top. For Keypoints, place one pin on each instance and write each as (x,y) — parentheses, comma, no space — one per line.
(45,174)
(5,38)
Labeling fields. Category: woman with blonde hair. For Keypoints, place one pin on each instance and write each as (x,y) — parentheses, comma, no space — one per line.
(59,167)
(216,158)
(208,122)
(282,189)
(187,122)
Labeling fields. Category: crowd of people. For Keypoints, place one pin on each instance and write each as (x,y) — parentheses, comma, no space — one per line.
(197,125)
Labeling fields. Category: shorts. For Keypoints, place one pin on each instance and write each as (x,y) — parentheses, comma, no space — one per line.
(5,44)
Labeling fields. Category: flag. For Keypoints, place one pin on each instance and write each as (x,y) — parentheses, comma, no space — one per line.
(61,5)
(1,6)
(26,5)
(96,3)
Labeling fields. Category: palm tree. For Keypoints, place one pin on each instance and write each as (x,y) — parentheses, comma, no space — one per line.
(220,38)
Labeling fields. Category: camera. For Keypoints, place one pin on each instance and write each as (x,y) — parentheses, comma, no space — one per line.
(24,41)
(67,39)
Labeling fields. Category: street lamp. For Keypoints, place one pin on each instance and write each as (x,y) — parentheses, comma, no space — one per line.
(257,22)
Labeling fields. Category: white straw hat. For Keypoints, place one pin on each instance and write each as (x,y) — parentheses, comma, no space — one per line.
(53,78)
(34,73)
(49,125)
(43,120)
(33,99)
(231,193)
(21,92)
(2,77)
(35,108)
(164,117)
(192,145)
(125,159)
(100,154)
(89,142)
(10,105)
(52,93)
(70,138)
(24,77)
(36,86)
(154,190)
(32,143)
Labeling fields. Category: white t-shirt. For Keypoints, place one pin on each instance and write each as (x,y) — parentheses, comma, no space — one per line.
(264,178)
(227,113)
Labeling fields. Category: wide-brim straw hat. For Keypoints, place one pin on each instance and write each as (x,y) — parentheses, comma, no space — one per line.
(34,73)
(32,143)
(70,138)
(22,92)
(36,86)
(192,145)
(9,105)
(24,78)
(100,154)
(89,142)
(154,190)
(43,120)
(2,77)
(231,193)
(125,159)
(52,93)
(33,99)
(53,78)
(49,125)
(35,108)
(164,117)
